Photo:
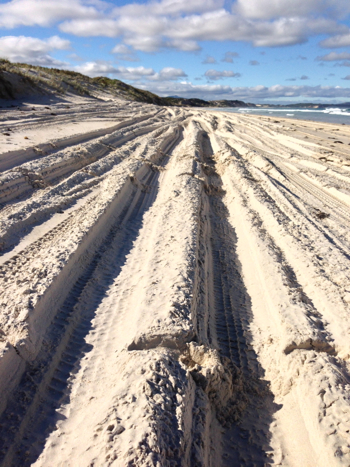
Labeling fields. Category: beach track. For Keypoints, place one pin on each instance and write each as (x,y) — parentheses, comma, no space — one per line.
(174,290)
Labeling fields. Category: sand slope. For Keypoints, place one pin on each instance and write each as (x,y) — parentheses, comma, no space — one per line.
(174,288)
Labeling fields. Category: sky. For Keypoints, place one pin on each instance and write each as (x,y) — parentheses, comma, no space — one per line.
(260,51)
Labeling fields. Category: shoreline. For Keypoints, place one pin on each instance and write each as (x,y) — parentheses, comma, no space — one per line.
(317,116)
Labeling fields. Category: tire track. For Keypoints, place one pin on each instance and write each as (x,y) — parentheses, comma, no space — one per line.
(231,307)
(45,385)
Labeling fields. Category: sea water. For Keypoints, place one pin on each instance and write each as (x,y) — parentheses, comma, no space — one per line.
(333,115)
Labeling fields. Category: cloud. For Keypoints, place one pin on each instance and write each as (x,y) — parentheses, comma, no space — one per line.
(209,59)
(92,27)
(269,9)
(103,68)
(345,63)
(214,74)
(125,53)
(169,74)
(229,56)
(168,8)
(75,57)
(347,77)
(130,74)
(30,49)
(254,62)
(249,94)
(341,40)
(334,56)
(303,77)
(301,57)
(43,13)
(183,24)
(155,43)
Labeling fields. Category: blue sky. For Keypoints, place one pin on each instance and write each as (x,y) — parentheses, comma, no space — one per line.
(252,50)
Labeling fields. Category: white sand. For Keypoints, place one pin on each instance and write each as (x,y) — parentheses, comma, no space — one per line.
(174,288)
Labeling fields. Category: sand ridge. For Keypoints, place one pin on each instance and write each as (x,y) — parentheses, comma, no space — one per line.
(174,288)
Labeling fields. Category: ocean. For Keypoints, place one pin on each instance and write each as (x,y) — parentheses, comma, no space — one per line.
(333,115)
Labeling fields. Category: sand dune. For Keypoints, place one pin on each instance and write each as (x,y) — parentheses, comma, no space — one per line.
(174,288)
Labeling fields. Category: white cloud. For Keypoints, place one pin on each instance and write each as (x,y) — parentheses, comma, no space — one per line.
(214,74)
(334,56)
(125,53)
(92,27)
(209,59)
(56,42)
(221,26)
(229,56)
(102,68)
(169,74)
(30,49)
(182,24)
(130,74)
(342,40)
(43,13)
(168,7)
(268,9)
(187,45)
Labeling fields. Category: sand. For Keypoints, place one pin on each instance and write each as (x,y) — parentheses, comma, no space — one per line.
(174,287)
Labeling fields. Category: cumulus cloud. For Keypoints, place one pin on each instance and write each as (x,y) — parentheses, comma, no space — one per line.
(229,56)
(269,9)
(214,74)
(103,68)
(125,53)
(92,27)
(303,77)
(130,74)
(183,24)
(44,13)
(340,40)
(169,74)
(155,43)
(168,7)
(30,49)
(334,56)
(209,59)
(347,77)
(254,62)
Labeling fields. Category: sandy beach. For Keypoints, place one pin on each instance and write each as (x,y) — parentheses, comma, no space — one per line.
(174,287)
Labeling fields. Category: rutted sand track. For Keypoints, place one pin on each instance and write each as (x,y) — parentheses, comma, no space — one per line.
(175,292)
